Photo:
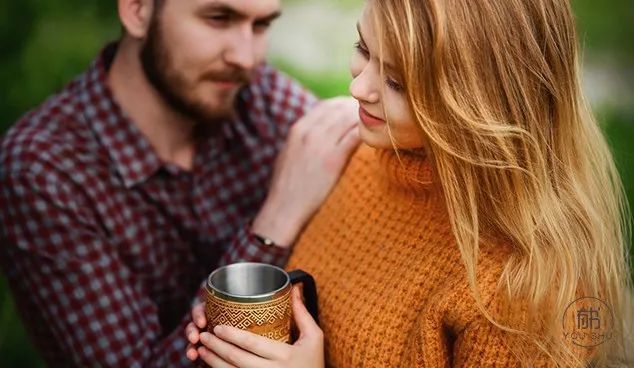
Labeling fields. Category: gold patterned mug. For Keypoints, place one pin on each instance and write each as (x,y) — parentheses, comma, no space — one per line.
(256,297)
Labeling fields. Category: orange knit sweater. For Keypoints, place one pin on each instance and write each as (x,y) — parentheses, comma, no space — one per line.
(392,287)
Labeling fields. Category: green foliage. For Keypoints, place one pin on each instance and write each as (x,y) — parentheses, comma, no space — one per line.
(15,349)
(43,44)
(606,27)
(334,84)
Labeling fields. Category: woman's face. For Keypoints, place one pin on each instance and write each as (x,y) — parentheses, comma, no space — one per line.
(380,99)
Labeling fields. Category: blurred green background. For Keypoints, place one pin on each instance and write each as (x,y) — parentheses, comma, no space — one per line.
(43,44)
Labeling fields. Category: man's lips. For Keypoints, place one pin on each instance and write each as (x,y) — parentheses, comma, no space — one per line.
(228,79)
(368,119)
(227,84)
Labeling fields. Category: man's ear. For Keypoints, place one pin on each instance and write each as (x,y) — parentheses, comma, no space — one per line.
(135,16)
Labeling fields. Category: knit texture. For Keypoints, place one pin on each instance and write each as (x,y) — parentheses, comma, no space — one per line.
(392,287)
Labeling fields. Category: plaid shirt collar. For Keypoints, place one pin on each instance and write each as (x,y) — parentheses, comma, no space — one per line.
(133,156)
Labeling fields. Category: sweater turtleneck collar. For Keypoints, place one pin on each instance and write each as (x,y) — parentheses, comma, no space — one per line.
(406,171)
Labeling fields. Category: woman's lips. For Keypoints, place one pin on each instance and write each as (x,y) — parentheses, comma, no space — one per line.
(369,120)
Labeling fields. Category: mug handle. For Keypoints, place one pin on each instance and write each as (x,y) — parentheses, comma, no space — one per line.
(310,291)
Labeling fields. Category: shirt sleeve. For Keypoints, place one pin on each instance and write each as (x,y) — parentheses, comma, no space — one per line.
(283,100)
(246,248)
(286,101)
(296,103)
(81,304)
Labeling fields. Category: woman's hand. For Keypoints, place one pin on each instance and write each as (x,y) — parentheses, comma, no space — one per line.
(232,347)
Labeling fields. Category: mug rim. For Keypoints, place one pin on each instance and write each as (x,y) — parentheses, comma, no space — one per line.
(262,297)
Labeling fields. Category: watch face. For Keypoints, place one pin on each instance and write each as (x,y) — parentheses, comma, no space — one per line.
(265,241)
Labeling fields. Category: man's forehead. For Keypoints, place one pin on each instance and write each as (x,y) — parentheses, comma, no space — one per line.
(248,8)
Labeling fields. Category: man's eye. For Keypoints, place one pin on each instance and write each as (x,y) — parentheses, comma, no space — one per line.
(261,26)
(219,19)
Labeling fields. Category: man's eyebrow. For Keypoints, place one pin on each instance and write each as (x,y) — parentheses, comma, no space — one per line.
(219,6)
(269,18)
(388,66)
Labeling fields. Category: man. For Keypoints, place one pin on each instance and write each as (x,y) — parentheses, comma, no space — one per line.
(119,194)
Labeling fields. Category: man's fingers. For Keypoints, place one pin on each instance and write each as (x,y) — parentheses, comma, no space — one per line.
(312,117)
(340,127)
(192,333)
(350,140)
(334,111)
(305,323)
(340,118)
(198,315)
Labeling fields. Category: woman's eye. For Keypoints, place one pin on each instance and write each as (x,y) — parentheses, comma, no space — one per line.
(362,50)
(391,83)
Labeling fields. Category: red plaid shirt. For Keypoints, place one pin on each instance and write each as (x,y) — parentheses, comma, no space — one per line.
(105,245)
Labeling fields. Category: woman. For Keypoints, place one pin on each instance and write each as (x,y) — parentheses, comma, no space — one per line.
(483,203)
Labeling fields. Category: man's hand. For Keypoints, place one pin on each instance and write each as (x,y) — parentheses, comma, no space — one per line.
(316,151)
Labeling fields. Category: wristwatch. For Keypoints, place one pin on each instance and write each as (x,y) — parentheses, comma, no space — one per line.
(264,240)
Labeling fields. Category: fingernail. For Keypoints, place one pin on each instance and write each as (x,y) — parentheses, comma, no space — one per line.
(218,329)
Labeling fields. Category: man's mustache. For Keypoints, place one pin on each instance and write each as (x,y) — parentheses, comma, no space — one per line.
(239,76)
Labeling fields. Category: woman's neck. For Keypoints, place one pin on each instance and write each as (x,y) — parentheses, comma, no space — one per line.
(407,172)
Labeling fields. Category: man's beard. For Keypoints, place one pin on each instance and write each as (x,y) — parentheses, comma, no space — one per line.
(173,87)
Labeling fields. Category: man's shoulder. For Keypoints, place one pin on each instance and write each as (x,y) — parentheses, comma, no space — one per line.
(53,133)
(278,95)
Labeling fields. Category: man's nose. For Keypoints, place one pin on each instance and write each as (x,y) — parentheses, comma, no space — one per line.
(241,50)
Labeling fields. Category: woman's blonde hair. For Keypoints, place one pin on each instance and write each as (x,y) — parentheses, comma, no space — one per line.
(494,86)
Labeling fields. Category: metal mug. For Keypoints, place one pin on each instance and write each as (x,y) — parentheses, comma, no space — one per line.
(256,297)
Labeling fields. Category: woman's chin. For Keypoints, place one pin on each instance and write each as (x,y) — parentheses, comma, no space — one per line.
(375,138)
(380,139)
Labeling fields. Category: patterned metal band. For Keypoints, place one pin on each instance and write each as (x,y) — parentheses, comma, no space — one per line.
(271,319)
